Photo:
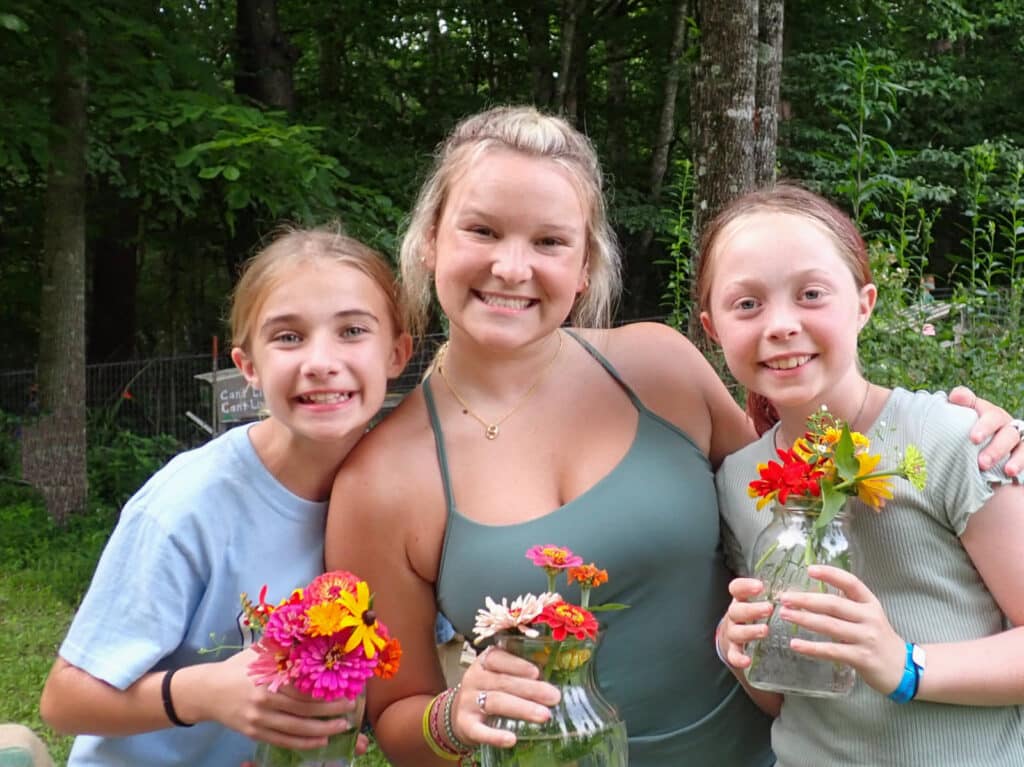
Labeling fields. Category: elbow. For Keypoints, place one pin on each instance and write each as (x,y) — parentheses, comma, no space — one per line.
(50,711)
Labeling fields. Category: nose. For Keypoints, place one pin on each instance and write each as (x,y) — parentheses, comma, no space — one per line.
(782,321)
(511,262)
(321,359)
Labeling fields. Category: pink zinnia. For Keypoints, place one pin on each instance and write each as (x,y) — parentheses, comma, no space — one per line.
(325,671)
(273,666)
(287,625)
(553,557)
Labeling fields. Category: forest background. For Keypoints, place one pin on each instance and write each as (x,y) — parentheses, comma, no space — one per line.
(147,148)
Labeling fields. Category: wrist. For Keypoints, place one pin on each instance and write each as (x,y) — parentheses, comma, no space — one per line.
(910,682)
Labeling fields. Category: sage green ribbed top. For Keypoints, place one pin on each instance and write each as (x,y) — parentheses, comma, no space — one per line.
(913,561)
(652,523)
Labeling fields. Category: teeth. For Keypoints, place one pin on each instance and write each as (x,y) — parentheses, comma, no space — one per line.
(325,398)
(504,302)
(788,363)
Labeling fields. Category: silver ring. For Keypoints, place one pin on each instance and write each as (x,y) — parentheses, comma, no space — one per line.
(481,700)
(1018,424)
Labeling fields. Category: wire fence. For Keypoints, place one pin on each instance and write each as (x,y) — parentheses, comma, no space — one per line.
(187,397)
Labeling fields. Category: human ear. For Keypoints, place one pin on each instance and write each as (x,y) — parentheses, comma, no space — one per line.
(867,298)
(401,351)
(245,364)
(709,326)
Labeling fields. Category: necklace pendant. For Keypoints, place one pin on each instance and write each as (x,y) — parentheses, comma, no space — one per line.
(491,432)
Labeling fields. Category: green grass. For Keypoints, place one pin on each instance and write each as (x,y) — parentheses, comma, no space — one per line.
(44,571)
(32,623)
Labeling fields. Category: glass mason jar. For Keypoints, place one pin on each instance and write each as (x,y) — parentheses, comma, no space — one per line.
(781,555)
(340,750)
(584,729)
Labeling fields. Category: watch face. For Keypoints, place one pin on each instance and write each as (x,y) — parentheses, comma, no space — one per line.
(918,656)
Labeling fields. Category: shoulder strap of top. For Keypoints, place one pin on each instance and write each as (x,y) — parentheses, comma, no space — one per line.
(435,426)
(610,368)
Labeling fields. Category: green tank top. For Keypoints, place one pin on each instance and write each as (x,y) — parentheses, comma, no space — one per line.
(652,523)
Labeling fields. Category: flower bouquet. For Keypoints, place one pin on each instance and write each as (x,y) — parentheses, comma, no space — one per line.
(561,639)
(809,488)
(326,641)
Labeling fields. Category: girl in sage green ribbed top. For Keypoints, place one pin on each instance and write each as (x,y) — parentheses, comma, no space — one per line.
(785,288)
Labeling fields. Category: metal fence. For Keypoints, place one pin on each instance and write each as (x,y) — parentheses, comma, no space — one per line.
(164,396)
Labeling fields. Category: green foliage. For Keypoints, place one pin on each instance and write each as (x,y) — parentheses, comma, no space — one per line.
(679,225)
(123,461)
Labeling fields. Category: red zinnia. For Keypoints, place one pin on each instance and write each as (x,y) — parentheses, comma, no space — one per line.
(565,618)
(794,476)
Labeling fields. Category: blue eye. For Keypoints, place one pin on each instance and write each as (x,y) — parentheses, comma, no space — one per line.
(287,338)
(354,331)
(746,304)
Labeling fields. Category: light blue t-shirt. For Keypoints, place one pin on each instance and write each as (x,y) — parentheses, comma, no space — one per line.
(212,523)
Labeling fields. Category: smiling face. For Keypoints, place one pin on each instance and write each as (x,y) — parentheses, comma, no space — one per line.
(509,250)
(786,309)
(322,348)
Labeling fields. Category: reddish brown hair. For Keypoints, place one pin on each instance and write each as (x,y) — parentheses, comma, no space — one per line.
(792,200)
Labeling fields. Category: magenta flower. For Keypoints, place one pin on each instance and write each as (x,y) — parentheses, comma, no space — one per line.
(554,557)
(325,671)
(287,625)
(273,666)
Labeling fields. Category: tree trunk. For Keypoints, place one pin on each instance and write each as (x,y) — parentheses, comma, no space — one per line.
(54,447)
(769,73)
(537,30)
(565,85)
(722,96)
(263,71)
(618,89)
(723,109)
(667,118)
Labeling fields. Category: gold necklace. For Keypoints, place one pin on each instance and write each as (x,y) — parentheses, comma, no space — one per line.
(852,424)
(491,430)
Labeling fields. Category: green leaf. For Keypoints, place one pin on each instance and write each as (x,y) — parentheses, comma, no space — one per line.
(231,173)
(607,607)
(846,462)
(831,502)
(211,171)
(185,158)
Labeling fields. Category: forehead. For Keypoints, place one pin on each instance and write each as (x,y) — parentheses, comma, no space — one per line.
(321,283)
(749,238)
(500,174)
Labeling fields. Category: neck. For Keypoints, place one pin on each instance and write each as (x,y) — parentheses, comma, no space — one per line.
(485,373)
(857,405)
(305,468)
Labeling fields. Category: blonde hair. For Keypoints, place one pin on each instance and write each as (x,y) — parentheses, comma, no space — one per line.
(293,248)
(534,134)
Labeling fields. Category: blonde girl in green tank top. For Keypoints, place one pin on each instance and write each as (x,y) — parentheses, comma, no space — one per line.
(785,288)
(510,234)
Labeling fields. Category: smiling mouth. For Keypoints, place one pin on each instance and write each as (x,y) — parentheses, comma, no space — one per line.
(505,302)
(324,398)
(788,363)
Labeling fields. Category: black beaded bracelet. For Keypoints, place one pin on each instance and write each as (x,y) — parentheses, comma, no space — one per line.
(165,694)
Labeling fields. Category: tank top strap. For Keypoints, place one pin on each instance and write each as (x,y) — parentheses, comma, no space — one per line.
(442,457)
(637,402)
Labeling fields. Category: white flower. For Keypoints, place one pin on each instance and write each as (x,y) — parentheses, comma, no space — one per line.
(504,616)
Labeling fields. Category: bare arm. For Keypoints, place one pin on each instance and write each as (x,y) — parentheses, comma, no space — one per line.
(75,702)
(993,422)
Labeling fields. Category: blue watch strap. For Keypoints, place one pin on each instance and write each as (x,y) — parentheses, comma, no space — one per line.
(907,688)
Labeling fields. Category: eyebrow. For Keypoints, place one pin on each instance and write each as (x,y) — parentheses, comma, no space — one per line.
(291,318)
(472,211)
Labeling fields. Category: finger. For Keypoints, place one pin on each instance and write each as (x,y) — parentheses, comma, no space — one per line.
(749,612)
(497,661)
(963,395)
(1004,440)
(745,588)
(836,628)
(362,744)
(740,635)
(843,580)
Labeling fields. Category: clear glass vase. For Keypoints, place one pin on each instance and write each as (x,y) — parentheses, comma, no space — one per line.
(340,750)
(781,555)
(584,729)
